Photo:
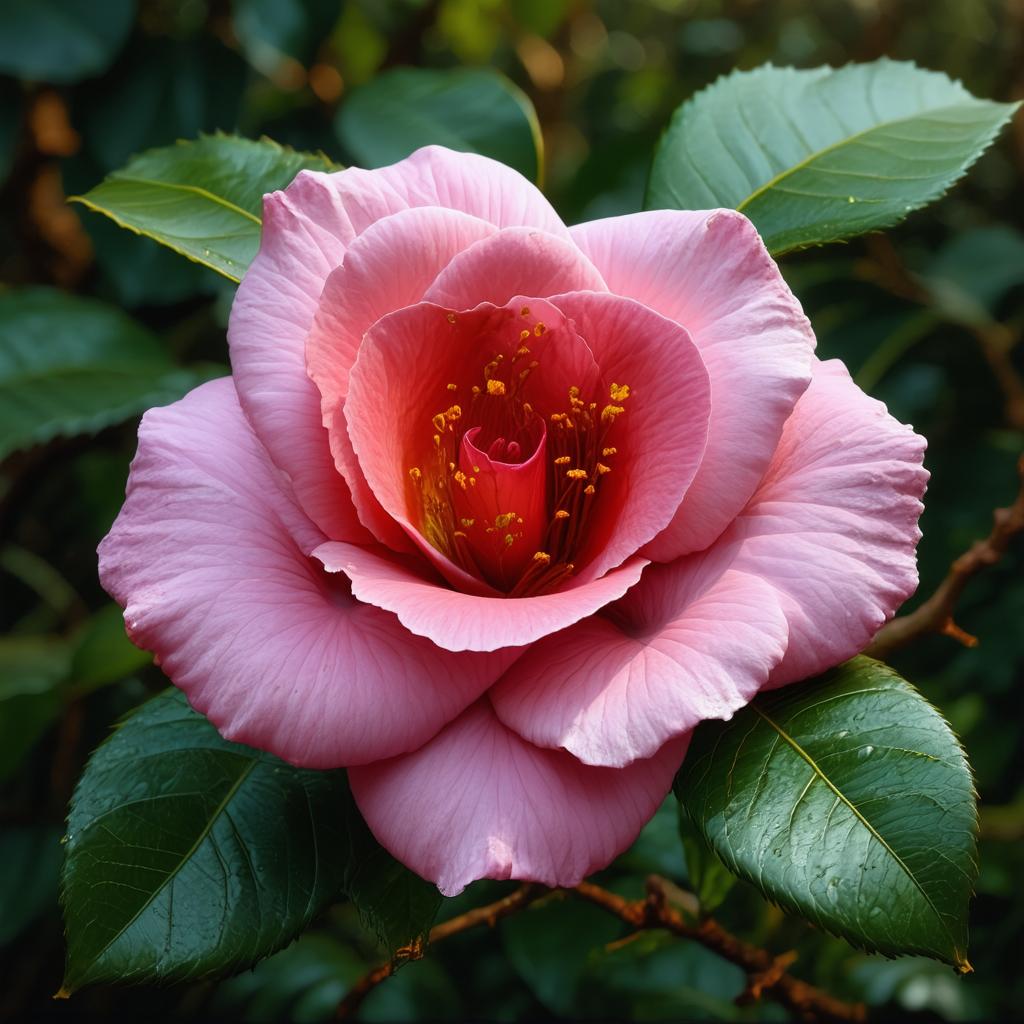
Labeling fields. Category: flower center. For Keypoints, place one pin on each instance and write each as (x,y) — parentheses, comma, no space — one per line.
(512,483)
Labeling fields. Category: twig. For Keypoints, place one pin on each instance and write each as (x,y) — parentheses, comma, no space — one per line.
(488,915)
(936,614)
(766,974)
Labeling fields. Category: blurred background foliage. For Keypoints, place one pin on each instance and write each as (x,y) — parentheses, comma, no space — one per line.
(928,317)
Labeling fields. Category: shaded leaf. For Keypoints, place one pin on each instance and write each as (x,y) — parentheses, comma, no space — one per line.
(103,653)
(32,671)
(70,365)
(466,109)
(818,155)
(202,199)
(846,800)
(708,877)
(61,40)
(30,855)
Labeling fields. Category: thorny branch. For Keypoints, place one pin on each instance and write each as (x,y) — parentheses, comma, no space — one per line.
(936,614)
(766,974)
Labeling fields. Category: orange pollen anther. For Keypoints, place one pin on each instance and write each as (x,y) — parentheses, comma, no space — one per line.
(495,387)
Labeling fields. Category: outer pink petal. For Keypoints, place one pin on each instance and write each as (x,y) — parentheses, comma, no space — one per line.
(479,802)
(274,651)
(516,261)
(390,265)
(833,526)
(710,272)
(435,176)
(466,622)
(660,438)
(689,642)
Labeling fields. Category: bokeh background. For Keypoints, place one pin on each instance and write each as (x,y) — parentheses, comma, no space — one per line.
(928,317)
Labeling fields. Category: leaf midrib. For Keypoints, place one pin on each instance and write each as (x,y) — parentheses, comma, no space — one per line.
(171,875)
(190,189)
(867,824)
(838,144)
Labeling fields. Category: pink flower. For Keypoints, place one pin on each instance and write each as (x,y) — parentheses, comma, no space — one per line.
(493,512)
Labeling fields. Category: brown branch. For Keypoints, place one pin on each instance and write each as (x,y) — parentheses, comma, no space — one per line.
(766,974)
(936,614)
(489,915)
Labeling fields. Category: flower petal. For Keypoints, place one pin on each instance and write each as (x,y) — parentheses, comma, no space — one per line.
(278,654)
(516,261)
(306,231)
(390,265)
(689,642)
(479,802)
(661,436)
(467,622)
(833,526)
(710,272)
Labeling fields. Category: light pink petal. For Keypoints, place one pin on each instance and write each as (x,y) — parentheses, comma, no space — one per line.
(477,185)
(480,802)
(466,622)
(833,526)
(277,653)
(710,272)
(689,642)
(661,436)
(390,265)
(516,261)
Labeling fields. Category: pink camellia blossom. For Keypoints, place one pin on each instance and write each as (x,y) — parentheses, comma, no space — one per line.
(493,512)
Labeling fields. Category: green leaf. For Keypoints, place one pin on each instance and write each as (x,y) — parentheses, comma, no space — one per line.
(190,856)
(846,800)
(70,365)
(61,40)
(32,670)
(202,199)
(467,109)
(820,155)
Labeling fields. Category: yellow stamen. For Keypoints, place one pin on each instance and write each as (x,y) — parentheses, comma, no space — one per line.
(609,451)
(602,468)
(542,556)
(563,460)
(453,387)
(416,474)
(539,329)
(589,489)
(576,474)
(495,387)
(609,412)
(561,514)
(618,392)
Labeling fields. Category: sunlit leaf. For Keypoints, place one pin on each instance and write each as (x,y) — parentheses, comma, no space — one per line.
(818,155)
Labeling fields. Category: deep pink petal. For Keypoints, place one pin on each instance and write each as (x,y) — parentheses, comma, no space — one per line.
(659,439)
(710,272)
(479,802)
(516,261)
(401,380)
(277,653)
(689,642)
(390,265)
(466,622)
(833,526)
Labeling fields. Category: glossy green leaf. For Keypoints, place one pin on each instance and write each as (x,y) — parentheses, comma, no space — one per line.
(61,40)
(189,856)
(32,671)
(202,199)
(846,800)
(819,155)
(70,365)
(466,109)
